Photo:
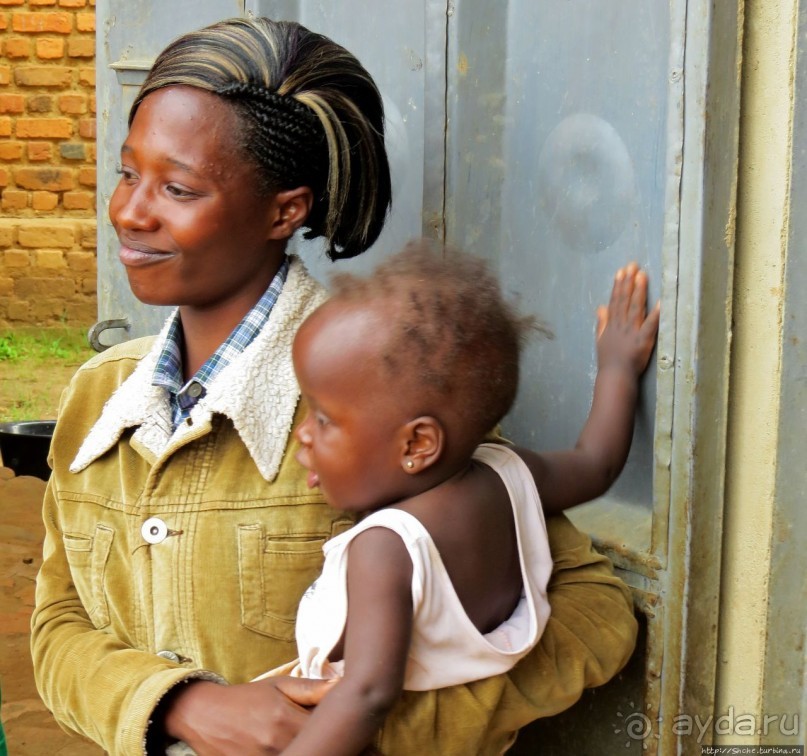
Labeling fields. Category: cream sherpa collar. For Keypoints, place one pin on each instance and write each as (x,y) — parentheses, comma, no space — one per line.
(257,391)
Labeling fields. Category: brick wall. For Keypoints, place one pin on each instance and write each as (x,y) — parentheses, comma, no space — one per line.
(47,162)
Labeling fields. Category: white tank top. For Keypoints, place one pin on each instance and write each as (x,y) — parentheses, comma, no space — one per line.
(446,647)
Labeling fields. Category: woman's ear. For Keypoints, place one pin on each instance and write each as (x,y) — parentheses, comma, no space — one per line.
(290,208)
(423,444)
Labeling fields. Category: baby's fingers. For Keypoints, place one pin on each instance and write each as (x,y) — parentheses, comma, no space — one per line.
(602,319)
(649,328)
(638,298)
(622,292)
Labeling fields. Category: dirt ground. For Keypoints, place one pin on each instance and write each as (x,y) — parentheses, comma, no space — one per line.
(30,728)
(32,391)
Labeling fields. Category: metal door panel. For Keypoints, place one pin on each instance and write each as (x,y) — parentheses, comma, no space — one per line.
(559,173)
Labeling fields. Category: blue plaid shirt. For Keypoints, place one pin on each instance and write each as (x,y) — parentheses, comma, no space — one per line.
(168,371)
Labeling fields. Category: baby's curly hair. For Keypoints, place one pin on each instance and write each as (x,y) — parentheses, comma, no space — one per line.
(451,330)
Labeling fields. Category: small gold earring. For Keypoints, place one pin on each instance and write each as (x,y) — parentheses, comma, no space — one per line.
(409,464)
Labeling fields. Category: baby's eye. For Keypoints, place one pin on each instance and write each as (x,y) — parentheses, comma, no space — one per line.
(321,419)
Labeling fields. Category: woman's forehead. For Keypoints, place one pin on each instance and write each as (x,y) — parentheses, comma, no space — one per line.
(187,117)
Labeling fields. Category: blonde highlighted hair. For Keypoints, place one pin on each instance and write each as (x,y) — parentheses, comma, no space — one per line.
(311,115)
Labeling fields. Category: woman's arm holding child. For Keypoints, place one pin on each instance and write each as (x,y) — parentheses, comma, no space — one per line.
(626,335)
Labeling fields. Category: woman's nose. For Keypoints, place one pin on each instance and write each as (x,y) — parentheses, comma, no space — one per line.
(131,208)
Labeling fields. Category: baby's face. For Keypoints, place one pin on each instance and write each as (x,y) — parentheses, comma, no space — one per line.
(351,439)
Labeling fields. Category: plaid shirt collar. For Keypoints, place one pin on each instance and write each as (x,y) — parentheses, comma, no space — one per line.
(168,371)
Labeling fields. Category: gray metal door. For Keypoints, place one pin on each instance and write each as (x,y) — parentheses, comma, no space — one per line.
(560,139)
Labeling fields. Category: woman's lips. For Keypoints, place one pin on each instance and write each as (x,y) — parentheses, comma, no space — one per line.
(136,256)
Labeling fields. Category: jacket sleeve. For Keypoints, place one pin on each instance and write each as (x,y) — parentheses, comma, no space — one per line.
(590,636)
(94,683)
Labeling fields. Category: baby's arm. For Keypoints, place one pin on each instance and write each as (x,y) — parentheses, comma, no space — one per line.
(376,644)
(626,334)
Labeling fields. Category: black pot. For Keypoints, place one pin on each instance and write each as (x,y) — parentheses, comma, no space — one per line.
(24,446)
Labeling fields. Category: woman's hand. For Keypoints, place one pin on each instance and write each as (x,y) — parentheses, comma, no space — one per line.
(254,718)
(626,332)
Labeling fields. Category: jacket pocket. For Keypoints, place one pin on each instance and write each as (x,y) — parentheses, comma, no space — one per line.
(88,557)
(273,575)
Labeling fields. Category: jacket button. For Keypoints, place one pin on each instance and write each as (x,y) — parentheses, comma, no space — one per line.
(170,655)
(154,530)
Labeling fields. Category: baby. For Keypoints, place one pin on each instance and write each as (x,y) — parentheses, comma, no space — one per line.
(443,581)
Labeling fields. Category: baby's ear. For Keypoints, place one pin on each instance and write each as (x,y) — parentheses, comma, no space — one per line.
(423,441)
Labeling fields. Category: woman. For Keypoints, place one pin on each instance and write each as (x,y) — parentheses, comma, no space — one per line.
(180,532)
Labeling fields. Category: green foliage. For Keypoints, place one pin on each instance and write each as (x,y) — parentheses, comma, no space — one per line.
(62,344)
(35,365)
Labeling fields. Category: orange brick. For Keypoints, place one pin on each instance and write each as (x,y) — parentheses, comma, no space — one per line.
(5,74)
(12,103)
(91,152)
(7,234)
(87,176)
(43,76)
(49,258)
(19,311)
(40,104)
(89,285)
(58,287)
(18,47)
(5,126)
(73,3)
(41,2)
(42,21)
(3,177)
(49,48)
(78,200)
(12,2)
(73,104)
(16,258)
(6,286)
(85,22)
(92,103)
(44,128)
(54,235)
(86,76)
(89,235)
(81,48)
(44,200)
(81,261)
(3,22)
(38,151)
(10,150)
(48,179)
(14,199)
(86,128)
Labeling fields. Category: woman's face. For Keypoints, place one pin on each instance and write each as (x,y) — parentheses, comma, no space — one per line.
(193,227)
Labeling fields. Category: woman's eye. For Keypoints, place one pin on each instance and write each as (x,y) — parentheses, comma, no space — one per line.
(178,192)
(127,174)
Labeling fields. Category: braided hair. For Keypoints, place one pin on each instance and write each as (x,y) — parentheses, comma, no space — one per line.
(310,115)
